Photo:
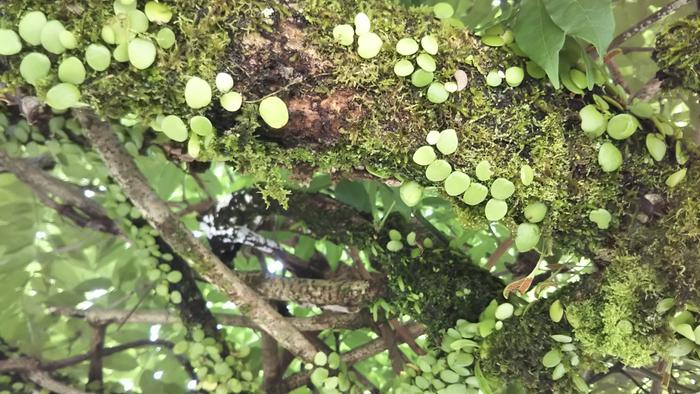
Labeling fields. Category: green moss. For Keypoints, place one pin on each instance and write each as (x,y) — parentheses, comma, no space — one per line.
(438,286)
(630,290)
(678,53)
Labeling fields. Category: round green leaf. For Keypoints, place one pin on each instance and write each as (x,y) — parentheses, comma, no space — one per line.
(138,22)
(504,311)
(320,359)
(362,24)
(437,93)
(483,170)
(433,137)
(231,101)
(502,188)
(407,46)
(334,360)
(656,145)
(394,246)
(344,35)
(457,183)
(98,57)
(34,67)
(158,12)
(579,78)
(438,170)
(609,157)
(68,39)
(449,376)
(556,311)
(71,70)
(174,128)
(429,44)
(63,96)
(201,125)
(426,62)
(10,44)
(535,212)
(551,358)
(174,276)
(193,146)
(493,40)
(403,68)
(593,123)
(443,10)
(421,78)
(475,194)
(121,53)
(534,70)
(601,217)
(224,82)
(30,27)
(411,193)
(527,237)
(197,93)
(165,38)
(447,142)
(368,45)
(677,177)
(527,175)
(50,37)
(142,53)
(622,126)
(493,78)
(562,338)
(514,76)
(495,210)
(424,155)
(274,112)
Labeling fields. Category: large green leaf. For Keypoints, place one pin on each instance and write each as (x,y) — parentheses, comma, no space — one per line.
(591,20)
(539,37)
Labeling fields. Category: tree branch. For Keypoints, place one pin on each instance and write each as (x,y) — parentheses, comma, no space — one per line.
(366,351)
(25,364)
(66,198)
(135,186)
(646,22)
(96,346)
(45,380)
(316,323)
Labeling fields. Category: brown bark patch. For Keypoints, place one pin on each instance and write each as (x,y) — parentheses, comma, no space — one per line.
(318,120)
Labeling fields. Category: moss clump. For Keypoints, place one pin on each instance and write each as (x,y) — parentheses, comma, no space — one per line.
(678,53)
(437,286)
(630,290)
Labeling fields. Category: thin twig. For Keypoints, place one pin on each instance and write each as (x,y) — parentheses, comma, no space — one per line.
(664,11)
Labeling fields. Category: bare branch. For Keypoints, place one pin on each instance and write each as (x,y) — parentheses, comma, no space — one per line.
(646,22)
(45,380)
(124,171)
(270,362)
(316,323)
(366,351)
(96,346)
(25,364)
(66,198)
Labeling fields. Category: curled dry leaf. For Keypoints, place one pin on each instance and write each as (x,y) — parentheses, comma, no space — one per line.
(462,79)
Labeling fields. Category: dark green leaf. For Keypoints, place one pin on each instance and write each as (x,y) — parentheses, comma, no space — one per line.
(591,20)
(539,37)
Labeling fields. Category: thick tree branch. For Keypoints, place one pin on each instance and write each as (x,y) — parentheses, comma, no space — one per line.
(316,323)
(270,362)
(135,186)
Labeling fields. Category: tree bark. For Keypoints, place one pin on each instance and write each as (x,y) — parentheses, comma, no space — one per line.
(135,186)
